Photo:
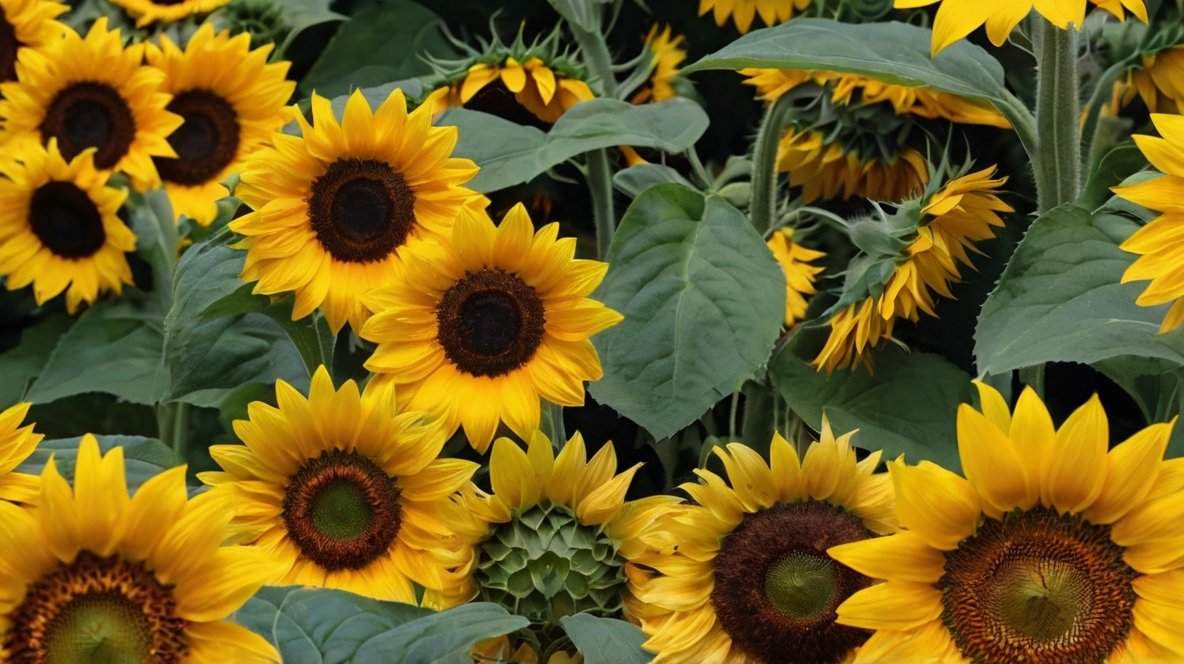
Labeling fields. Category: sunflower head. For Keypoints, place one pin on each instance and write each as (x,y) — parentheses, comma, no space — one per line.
(743,574)
(742,12)
(136,579)
(17,444)
(796,262)
(147,12)
(27,23)
(262,20)
(666,53)
(1051,548)
(485,325)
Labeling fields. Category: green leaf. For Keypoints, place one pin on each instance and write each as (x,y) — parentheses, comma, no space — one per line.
(143,457)
(447,636)
(606,640)
(636,179)
(299,15)
(584,14)
(1156,385)
(21,364)
(1119,163)
(1060,299)
(510,154)
(703,301)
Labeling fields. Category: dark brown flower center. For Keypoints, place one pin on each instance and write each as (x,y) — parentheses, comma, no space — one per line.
(776,589)
(496,99)
(206,143)
(361,210)
(97,610)
(342,510)
(8,49)
(490,322)
(1037,587)
(90,115)
(66,220)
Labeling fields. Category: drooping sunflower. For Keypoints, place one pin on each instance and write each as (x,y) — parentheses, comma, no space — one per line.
(16,444)
(530,92)
(336,209)
(27,23)
(795,261)
(743,575)
(232,101)
(667,53)
(1050,550)
(342,490)
(91,92)
(485,325)
(166,11)
(59,227)
(742,12)
(944,228)
(1161,257)
(93,573)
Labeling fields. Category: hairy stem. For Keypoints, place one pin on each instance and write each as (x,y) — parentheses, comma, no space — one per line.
(1058,109)
(764,164)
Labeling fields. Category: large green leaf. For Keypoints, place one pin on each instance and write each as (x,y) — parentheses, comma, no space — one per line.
(442,637)
(143,457)
(1157,387)
(703,302)
(510,154)
(1060,300)
(20,365)
(605,640)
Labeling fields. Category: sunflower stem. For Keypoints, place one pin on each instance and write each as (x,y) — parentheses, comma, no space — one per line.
(1058,110)
(600,185)
(764,164)
(757,428)
(1033,377)
(172,425)
(558,432)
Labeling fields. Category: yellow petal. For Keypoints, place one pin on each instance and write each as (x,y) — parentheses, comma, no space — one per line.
(992,464)
(1077,468)
(893,605)
(904,556)
(941,507)
(1131,470)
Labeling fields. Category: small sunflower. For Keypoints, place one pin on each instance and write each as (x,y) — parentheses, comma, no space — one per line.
(667,53)
(232,101)
(742,12)
(27,23)
(166,11)
(486,324)
(528,92)
(336,209)
(59,227)
(342,490)
(795,261)
(947,226)
(92,573)
(1050,550)
(743,575)
(16,444)
(1161,258)
(91,93)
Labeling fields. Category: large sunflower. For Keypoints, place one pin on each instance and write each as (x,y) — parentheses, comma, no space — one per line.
(1051,550)
(336,209)
(59,227)
(16,444)
(795,261)
(91,93)
(232,101)
(167,11)
(27,23)
(342,490)
(743,576)
(484,325)
(742,12)
(965,211)
(93,575)
(529,92)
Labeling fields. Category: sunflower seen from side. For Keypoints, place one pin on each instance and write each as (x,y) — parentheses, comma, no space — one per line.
(485,325)
(232,101)
(16,445)
(742,12)
(93,573)
(60,229)
(743,575)
(336,209)
(147,12)
(667,52)
(91,92)
(1051,549)
(529,91)
(28,23)
(796,262)
(342,490)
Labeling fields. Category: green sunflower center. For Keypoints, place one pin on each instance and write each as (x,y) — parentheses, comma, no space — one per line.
(801,585)
(66,220)
(342,510)
(90,115)
(206,143)
(361,210)
(1038,586)
(97,610)
(8,49)
(490,322)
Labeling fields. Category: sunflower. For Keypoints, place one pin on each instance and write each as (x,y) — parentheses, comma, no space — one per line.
(742,12)
(1161,256)
(232,101)
(965,211)
(91,93)
(92,573)
(1050,550)
(166,11)
(795,260)
(341,490)
(667,53)
(336,209)
(486,324)
(529,92)
(16,444)
(27,23)
(743,575)
(59,227)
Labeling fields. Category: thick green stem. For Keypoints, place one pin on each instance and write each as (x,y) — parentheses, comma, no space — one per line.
(764,164)
(172,425)
(558,432)
(597,58)
(1058,110)
(600,185)
(757,429)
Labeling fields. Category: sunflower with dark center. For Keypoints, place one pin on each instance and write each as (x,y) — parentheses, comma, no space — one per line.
(232,101)
(17,444)
(1050,550)
(341,490)
(27,23)
(337,208)
(485,325)
(147,12)
(91,92)
(60,229)
(530,92)
(92,574)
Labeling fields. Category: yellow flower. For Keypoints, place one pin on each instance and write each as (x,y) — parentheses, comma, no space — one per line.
(795,260)
(137,579)
(743,575)
(484,325)
(965,211)
(1161,258)
(16,444)
(27,23)
(667,53)
(742,12)
(91,93)
(232,101)
(336,209)
(59,227)
(166,11)
(1051,549)
(826,171)
(342,490)
(543,93)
